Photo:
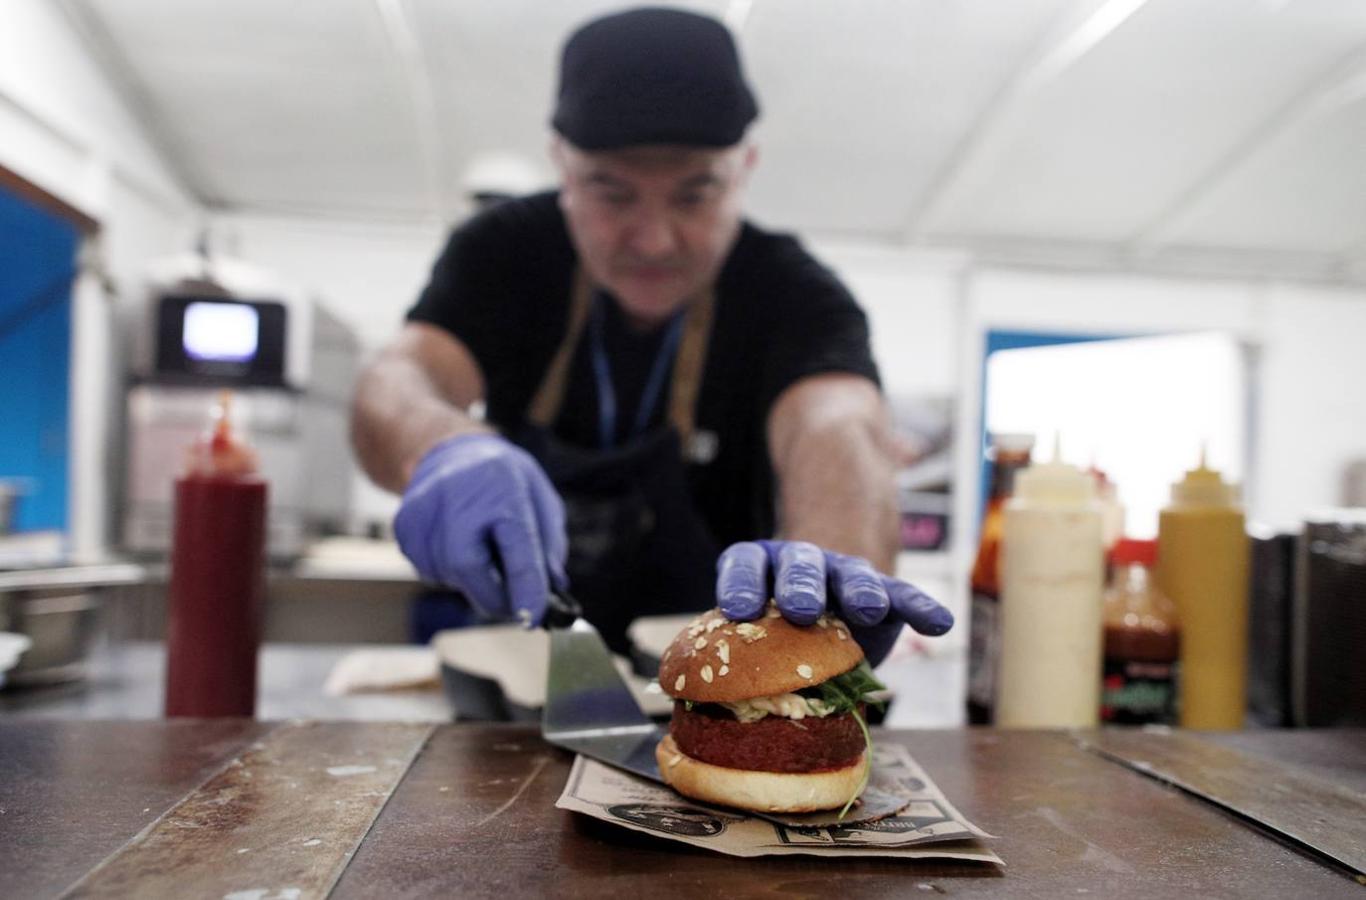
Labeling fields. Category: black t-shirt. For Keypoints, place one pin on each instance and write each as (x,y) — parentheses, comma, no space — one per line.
(502,286)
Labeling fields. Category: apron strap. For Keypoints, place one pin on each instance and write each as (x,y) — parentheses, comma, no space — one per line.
(688,365)
(546,402)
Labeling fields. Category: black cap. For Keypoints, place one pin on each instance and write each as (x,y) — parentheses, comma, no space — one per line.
(652,76)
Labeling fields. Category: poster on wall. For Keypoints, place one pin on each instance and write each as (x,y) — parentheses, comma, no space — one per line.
(922,427)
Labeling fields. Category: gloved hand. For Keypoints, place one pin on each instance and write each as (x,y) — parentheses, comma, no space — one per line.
(795,574)
(481,516)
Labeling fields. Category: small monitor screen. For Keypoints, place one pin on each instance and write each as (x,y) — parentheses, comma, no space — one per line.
(221,332)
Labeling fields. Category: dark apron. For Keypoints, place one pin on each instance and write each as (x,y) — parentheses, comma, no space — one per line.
(637,547)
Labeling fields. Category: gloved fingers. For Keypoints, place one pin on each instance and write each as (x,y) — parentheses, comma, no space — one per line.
(771,547)
(799,582)
(919,610)
(524,567)
(475,574)
(859,589)
(742,581)
(555,571)
(550,521)
(877,640)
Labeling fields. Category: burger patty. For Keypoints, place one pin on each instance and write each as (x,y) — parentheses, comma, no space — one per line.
(711,734)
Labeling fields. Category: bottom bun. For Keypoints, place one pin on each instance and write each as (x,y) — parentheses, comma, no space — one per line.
(789,792)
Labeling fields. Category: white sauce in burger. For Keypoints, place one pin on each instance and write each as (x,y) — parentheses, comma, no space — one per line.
(790,706)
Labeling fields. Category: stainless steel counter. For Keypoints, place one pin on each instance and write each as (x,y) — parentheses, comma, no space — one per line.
(336,598)
(79,577)
(304,603)
(125,680)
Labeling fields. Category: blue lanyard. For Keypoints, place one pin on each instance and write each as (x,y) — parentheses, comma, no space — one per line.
(602,373)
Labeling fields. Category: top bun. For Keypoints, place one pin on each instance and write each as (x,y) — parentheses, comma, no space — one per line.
(715,660)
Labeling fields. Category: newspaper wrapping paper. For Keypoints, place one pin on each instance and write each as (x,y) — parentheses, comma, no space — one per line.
(926,827)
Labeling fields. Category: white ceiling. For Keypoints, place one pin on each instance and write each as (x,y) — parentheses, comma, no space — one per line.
(1230,128)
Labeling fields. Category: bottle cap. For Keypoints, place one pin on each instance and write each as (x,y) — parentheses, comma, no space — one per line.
(1011,442)
(1204,486)
(219,451)
(1055,482)
(1130,551)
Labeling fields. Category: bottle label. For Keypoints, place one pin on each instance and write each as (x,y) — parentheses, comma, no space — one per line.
(984,651)
(1138,693)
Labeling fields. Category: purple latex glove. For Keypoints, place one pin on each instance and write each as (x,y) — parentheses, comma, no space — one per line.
(481,516)
(798,576)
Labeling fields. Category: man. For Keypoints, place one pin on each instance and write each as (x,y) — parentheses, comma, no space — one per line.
(661,379)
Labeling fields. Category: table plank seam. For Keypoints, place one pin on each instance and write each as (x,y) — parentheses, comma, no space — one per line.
(165,813)
(1266,828)
(360,839)
(208,798)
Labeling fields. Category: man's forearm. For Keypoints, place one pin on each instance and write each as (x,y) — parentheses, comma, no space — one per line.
(831,451)
(400,410)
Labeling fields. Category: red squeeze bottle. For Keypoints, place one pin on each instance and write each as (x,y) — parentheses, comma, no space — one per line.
(214,606)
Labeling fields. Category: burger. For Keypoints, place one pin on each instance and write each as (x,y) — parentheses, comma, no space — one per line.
(768,716)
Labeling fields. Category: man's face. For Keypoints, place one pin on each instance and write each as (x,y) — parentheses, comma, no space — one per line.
(652,225)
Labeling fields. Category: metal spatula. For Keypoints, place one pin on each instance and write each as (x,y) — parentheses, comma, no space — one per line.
(588,708)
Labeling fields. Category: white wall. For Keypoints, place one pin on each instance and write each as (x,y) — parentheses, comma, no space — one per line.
(368,274)
(930,312)
(64,128)
(931,317)
(1311,421)
(912,303)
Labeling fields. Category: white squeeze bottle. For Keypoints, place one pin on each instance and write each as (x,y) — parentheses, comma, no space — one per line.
(1052,584)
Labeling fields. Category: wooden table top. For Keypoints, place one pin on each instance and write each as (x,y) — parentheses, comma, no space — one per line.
(244,809)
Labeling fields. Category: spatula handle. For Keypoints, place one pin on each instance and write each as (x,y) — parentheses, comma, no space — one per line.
(562,610)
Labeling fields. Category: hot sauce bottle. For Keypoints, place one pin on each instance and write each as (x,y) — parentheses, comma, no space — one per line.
(1009,454)
(218,553)
(1142,641)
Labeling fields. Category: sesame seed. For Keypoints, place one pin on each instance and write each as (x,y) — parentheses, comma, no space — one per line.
(823,622)
(750,632)
(706,674)
(699,643)
(723,651)
(714,624)
(724,670)
(844,635)
(678,683)
(805,671)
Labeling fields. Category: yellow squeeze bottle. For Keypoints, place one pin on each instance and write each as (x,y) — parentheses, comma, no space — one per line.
(1202,565)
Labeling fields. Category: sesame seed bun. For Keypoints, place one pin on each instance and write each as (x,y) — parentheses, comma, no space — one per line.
(715,660)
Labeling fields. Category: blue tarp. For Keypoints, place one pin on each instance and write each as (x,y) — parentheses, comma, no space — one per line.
(37,258)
